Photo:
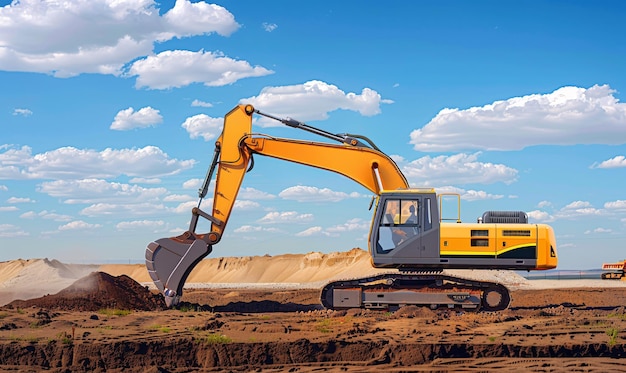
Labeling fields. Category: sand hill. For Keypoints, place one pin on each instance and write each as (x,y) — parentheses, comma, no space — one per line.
(288,268)
(26,279)
(32,278)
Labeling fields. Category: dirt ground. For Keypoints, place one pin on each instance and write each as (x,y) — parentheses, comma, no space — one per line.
(116,325)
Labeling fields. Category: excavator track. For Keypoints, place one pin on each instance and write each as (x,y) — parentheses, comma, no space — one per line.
(432,289)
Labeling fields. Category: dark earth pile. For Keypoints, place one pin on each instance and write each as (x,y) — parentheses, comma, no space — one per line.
(96,291)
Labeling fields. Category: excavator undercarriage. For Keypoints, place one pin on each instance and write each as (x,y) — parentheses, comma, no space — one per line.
(432,289)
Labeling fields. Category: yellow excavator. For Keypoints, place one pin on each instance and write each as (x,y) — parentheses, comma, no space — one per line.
(407,234)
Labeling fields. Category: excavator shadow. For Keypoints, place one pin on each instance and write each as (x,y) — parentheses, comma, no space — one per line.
(263,306)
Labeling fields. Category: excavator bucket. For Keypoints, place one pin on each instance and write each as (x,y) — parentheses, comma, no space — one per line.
(170,260)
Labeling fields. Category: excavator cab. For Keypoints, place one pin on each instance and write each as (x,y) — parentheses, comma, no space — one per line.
(405,228)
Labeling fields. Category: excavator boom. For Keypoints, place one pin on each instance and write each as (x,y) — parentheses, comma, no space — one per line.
(170,260)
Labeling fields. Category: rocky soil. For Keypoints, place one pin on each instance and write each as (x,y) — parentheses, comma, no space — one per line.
(113,324)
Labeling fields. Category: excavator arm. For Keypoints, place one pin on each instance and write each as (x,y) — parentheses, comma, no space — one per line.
(170,260)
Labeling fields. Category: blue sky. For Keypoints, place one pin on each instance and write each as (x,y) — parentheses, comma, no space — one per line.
(109,111)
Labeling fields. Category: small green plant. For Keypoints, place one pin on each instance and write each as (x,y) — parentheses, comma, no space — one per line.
(186,308)
(612,333)
(161,328)
(215,338)
(621,316)
(3,315)
(324,326)
(492,339)
(114,312)
(65,338)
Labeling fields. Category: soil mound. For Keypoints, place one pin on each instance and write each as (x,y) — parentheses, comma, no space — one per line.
(96,291)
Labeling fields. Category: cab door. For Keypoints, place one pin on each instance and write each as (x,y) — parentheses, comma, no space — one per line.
(405,230)
(399,225)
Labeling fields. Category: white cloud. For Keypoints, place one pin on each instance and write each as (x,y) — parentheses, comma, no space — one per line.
(541,216)
(543,204)
(28,215)
(4,188)
(11,231)
(178,198)
(590,211)
(254,229)
(355,224)
(73,163)
(22,112)
(287,216)
(99,36)
(469,195)
(578,205)
(99,191)
(303,193)
(125,209)
(579,209)
(188,19)
(599,230)
(193,184)
(141,224)
(615,162)
(248,229)
(19,200)
(246,205)
(204,126)
(185,207)
(8,208)
(179,68)
(78,225)
(45,215)
(269,27)
(312,100)
(567,116)
(198,103)
(313,231)
(479,195)
(620,204)
(255,194)
(143,180)
(455,169)
(128,119)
